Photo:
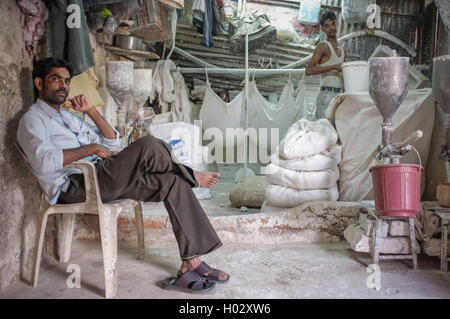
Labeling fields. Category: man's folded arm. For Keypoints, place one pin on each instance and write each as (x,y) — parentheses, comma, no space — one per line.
(74,154)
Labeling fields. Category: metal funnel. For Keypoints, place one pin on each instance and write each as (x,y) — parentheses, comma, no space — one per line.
(441,82)
(388,84)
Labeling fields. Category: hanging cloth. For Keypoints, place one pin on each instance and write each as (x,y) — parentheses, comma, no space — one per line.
(72,44)
(163,84)
(264,114)
(306,110)
(34,14)
(181,107)
(215,113)
(208,25)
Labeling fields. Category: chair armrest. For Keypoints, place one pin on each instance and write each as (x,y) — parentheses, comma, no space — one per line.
(90,181)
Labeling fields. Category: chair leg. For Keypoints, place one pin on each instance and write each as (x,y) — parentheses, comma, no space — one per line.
(65,225)
(140,230)
(108,233)
(38,246)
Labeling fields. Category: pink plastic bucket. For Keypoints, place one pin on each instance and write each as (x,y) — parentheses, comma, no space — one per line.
(396,189)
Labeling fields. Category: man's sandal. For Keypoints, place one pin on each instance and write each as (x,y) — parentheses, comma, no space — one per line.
(213,276)
(189,282)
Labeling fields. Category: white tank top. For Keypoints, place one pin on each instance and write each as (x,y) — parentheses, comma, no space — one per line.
(333,78)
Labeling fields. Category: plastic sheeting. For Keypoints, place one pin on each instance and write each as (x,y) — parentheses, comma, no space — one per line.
(355,11)
(309,11)
(358,124)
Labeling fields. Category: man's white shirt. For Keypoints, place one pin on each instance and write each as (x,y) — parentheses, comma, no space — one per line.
(44,133)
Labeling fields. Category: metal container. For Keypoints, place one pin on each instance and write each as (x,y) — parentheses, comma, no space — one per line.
(111,24)
(388,84)
(443,194)
(129,42)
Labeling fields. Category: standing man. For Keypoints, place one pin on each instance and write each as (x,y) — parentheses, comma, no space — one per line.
(327,60)
(52,137)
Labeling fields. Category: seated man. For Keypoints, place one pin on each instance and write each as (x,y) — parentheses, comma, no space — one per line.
(52,137)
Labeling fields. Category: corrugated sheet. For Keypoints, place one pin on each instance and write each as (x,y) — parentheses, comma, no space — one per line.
(398,18)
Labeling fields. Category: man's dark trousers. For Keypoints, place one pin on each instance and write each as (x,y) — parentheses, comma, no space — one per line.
(145,171)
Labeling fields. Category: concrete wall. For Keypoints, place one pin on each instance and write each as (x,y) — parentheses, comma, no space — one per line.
(19,196)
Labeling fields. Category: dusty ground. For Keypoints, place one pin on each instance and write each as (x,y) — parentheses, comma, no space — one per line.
(257,271)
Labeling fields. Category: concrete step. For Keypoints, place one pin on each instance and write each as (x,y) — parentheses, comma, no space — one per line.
(314,222)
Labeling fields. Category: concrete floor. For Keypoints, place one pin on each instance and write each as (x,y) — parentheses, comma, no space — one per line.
(257,271)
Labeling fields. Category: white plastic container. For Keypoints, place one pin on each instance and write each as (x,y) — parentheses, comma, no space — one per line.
(356,76)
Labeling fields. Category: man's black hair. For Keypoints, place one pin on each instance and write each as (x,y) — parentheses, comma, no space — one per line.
(327,15)
(44,66)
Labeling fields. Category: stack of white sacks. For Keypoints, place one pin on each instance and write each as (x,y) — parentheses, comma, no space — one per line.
(304,167)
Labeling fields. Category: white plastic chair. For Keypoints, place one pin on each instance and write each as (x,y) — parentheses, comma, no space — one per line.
(108,214)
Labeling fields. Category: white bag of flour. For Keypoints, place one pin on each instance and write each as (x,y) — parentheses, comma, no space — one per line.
(329,158)
(305,138)
(280,196)
(302,179)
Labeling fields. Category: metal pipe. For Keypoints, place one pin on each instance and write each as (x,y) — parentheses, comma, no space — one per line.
(238,71)
(436,34)
(246,103)
(381,34)
(193,58)
(173,21)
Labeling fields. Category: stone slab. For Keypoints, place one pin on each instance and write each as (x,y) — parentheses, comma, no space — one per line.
(359,242)
(367,223)
(399,228)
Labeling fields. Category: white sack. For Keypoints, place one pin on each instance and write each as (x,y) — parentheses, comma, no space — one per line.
(358,123)
(305,138)
(279,196)
(185,140)
(329,158)
(302,179)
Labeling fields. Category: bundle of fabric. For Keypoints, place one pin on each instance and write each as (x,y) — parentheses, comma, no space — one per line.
(304,167)
(34,14)
(171,92)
